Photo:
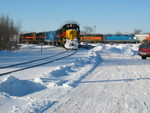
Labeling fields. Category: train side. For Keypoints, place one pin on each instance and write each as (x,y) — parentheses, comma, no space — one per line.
(92,38)
(51,38)
(121,38)
(28,38)
(109,38)
(40,37)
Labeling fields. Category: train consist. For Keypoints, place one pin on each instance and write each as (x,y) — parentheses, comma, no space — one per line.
(109,38)
(67,36)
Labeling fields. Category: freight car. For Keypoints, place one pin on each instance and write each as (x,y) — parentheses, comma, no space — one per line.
(91,38)
(121,38)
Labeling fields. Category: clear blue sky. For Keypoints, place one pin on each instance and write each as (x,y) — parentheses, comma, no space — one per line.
(109,16)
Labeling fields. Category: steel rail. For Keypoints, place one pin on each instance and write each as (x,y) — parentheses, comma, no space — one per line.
(38,64)
(32,60)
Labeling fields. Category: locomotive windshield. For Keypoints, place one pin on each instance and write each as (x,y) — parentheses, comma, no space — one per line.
(71,26)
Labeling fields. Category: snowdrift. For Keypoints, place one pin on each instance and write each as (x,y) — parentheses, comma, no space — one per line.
(25,95)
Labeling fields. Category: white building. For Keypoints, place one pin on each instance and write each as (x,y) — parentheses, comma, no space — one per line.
(141,37)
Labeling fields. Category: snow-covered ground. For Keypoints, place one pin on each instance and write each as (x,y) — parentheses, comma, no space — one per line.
(104,79)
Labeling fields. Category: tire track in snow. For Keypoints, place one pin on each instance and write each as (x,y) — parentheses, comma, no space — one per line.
(110,89)
(77,101)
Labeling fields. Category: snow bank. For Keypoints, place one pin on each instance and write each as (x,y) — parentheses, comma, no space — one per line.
(71,75)
(56,82)
(34,106)
(65,75)
(15,87)
(72,44)
(123,49)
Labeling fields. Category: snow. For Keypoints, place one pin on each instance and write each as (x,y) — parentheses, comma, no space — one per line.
(72,44)
(104,79)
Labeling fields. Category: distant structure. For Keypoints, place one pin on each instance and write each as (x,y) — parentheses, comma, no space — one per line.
(141,37)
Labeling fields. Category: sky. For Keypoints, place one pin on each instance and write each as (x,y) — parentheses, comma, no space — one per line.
(109,16)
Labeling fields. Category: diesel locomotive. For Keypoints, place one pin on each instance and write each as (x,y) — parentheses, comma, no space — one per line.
(69,36)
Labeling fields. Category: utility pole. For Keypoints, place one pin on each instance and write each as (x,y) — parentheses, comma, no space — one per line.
(94,30)
(41,47)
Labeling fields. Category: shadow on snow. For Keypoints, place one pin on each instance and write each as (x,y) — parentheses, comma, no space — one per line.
(116,80)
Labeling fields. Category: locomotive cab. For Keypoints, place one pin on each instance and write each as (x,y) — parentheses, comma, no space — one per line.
(69,36)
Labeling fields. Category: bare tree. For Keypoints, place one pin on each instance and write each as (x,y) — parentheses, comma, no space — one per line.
(137,31)
(8,30)
(118,33)
(88,30)
(146,33)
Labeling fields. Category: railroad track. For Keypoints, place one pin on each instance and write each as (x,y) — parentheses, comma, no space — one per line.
(35,63)
(32,60)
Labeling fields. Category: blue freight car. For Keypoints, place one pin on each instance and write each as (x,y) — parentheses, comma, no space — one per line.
(121,38)
(51,37)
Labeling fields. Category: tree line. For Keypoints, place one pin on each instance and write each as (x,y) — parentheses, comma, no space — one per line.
(8,31)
